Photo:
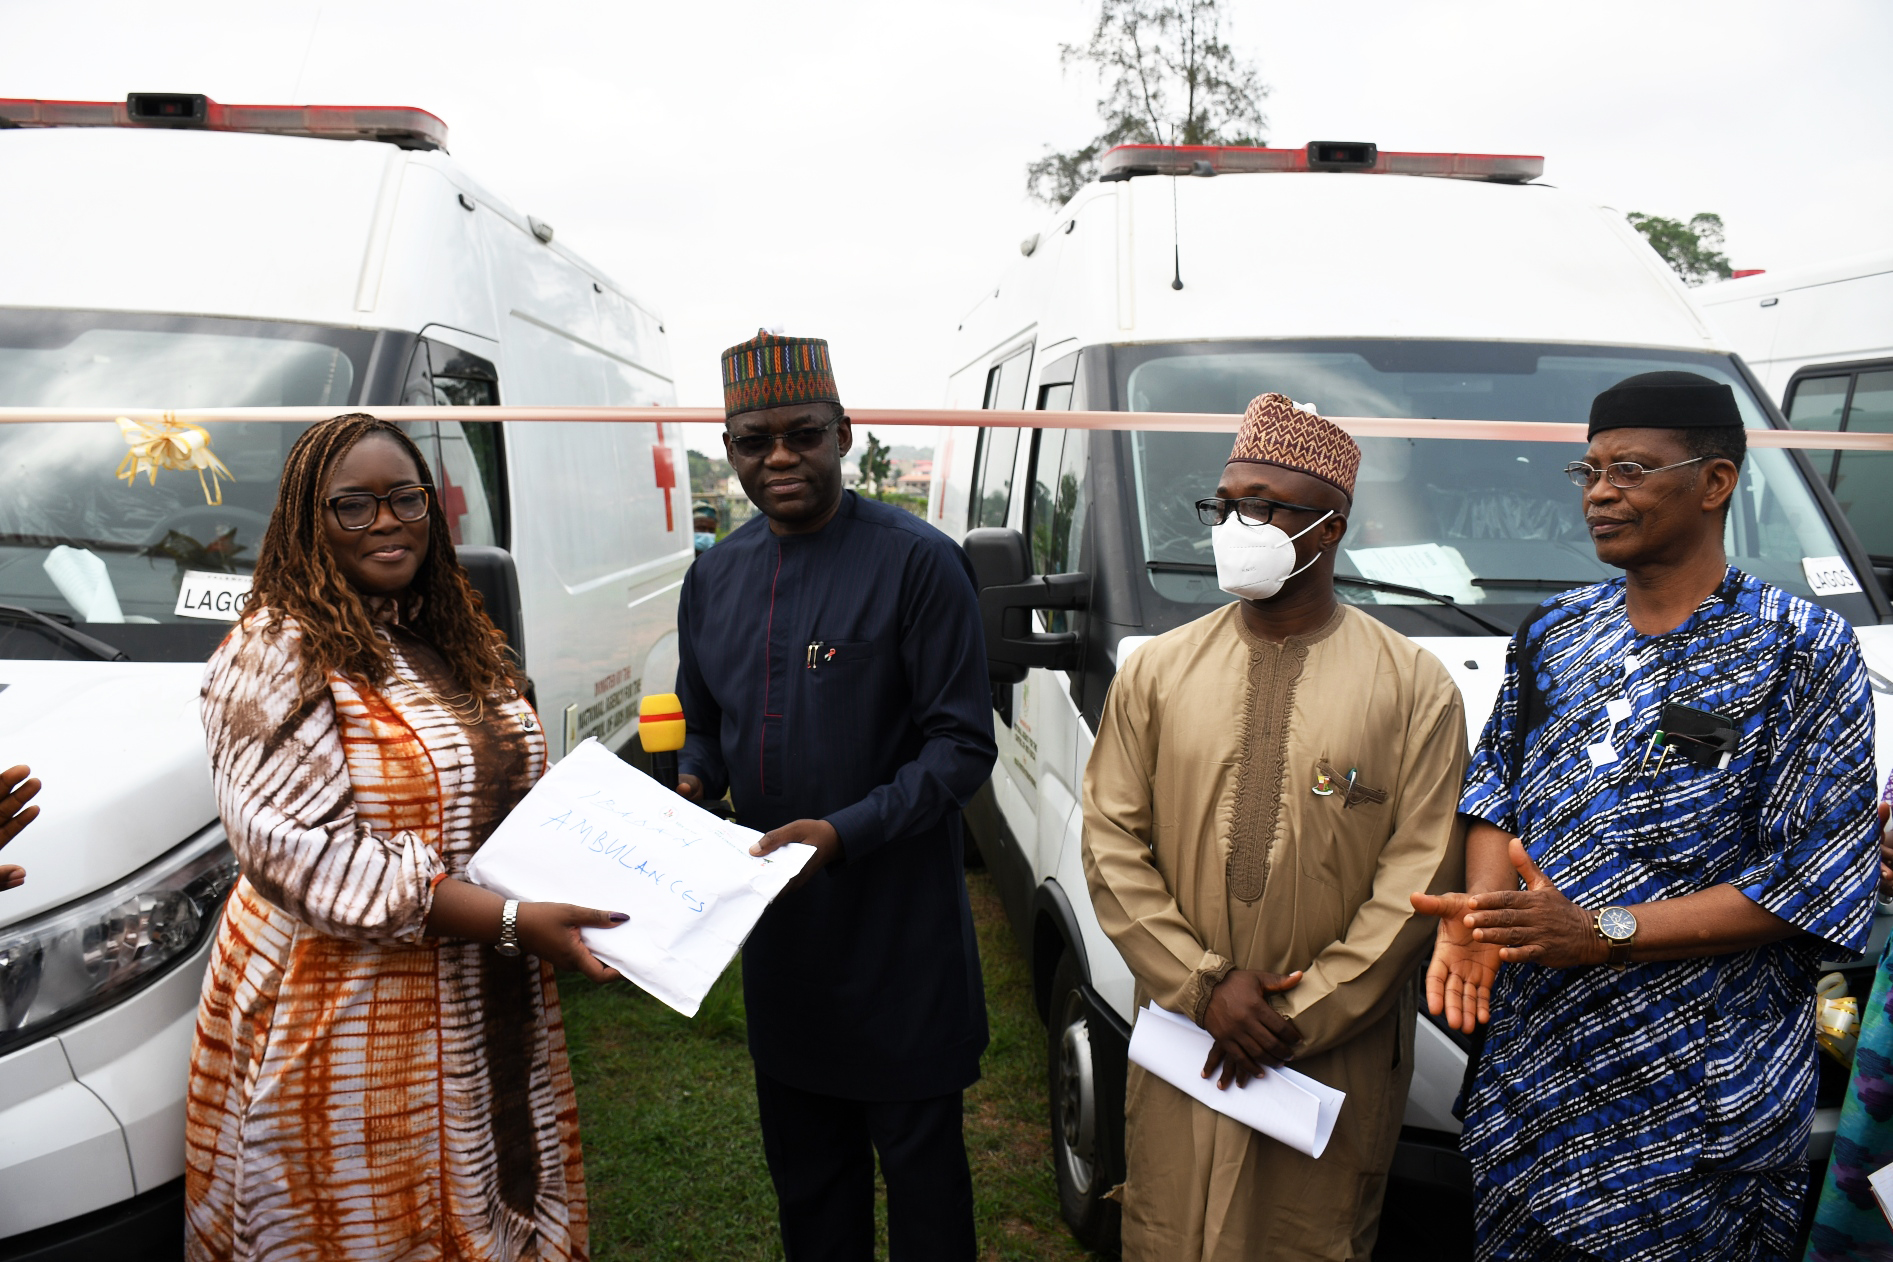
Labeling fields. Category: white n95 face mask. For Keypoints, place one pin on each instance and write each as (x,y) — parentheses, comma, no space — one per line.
(1254,561)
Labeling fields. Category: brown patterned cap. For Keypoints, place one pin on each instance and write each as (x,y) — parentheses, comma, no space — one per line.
(1276,430)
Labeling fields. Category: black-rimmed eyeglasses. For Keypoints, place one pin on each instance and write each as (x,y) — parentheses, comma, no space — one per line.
(1625,475)
(757,446)
(1251,510)
(357,510)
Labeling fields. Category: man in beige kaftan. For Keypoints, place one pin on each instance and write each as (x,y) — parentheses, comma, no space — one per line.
(1268,785)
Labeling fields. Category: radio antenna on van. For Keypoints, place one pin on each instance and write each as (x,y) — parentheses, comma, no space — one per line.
(1198,167)
(1176,239)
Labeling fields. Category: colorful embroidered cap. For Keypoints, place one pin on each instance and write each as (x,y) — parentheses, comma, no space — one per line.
(1279,431)
(771,372)
(1665,400)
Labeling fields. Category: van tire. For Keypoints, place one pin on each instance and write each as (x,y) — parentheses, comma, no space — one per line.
(1079,1149)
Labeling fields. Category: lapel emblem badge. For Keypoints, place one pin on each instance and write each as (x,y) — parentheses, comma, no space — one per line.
(1329,782)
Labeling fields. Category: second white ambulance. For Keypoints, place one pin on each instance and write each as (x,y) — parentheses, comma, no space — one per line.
(1369,284)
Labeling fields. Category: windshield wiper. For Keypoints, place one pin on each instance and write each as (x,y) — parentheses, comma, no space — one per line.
(1374,584)
(1563,584)
(54,541)
(1348,580)
(60,631)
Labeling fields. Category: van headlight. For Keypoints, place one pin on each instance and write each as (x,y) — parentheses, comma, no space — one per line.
(67,964)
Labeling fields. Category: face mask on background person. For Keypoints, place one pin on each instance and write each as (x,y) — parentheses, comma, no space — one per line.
(1254,561)
(704,539)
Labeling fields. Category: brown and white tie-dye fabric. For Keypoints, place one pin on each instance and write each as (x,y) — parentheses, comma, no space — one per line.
(358,1090)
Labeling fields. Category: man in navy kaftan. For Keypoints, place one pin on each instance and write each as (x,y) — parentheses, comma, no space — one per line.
(834,680)
(842,676)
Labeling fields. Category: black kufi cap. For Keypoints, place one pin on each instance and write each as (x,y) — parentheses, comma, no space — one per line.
(1665,400)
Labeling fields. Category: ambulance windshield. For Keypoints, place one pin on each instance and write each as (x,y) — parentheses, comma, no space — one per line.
(142,535)
(1487,523)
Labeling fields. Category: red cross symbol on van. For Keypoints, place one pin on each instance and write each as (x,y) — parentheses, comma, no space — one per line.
(666,466)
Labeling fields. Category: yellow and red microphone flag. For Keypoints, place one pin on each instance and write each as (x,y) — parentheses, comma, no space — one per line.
(661,723)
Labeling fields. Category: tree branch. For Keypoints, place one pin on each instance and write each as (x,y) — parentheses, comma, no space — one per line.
(1147,53)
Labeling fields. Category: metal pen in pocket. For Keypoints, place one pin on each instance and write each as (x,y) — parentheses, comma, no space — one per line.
(1659,740)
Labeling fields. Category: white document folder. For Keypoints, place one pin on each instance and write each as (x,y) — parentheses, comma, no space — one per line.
(1282,1104)
(1881,1181)
(598,832)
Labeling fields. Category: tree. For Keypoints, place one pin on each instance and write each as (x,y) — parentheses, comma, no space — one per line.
(1692,249)
(708,474)
(1169,79)
(876,465)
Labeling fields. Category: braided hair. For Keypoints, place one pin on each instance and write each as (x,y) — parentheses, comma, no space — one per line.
(296,578)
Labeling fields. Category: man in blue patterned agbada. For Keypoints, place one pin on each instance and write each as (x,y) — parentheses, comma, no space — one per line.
(1671,822)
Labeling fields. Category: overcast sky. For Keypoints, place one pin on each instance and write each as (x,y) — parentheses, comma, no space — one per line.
(855,170)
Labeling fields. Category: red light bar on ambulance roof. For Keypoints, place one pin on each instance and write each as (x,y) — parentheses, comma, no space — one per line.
(400,125)
(1126,161)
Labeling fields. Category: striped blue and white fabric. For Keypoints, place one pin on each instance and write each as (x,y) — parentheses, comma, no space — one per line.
(1663,1111)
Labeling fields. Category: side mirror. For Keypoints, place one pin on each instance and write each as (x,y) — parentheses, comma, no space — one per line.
(1008,593)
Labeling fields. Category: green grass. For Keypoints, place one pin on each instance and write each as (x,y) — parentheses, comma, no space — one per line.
(667,1108)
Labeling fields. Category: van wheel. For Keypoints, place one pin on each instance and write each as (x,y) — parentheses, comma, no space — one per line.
(1071,1079)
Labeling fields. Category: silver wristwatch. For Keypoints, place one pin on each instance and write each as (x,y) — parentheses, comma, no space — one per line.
(509,926)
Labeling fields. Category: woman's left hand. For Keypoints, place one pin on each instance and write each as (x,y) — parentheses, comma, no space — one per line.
(1535,925)
(550,931)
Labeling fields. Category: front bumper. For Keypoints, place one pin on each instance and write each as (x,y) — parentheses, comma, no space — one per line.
(94,1115)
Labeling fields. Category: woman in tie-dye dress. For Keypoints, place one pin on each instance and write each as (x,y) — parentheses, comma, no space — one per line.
(372,1078)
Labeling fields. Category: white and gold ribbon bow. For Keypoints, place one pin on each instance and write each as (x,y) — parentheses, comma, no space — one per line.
(171,444)
(1836,1018)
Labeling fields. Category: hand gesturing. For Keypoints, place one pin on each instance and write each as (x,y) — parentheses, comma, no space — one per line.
(1537,924)
(1459,980)
(16,790)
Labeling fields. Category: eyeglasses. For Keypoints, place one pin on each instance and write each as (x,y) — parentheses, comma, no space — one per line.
(1254,512)
(1624,474)
(757,446)
(358,509)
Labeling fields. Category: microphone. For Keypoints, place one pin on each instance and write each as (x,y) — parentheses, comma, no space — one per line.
(661,734)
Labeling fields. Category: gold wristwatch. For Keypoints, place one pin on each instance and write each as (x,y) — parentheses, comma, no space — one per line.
(1617,926)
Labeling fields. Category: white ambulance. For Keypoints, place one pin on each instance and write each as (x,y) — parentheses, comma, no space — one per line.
(172,252)
(1821,340)
(1370,284)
